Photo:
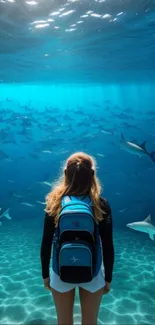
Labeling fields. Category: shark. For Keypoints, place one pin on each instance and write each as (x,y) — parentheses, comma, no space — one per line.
(27,204)
(144,226)
(41,202)
(5,214)
(137,149)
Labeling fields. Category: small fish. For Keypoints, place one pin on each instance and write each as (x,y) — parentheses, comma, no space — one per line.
(136,149)
(41,202)
(5,214)
(63,151)
(89,135)
(106,132)
(45,183)
(46,151)
(27,204)
(123,210)
(100,155)
(144,226)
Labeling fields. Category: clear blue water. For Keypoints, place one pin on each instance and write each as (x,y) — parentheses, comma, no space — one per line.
(65,87)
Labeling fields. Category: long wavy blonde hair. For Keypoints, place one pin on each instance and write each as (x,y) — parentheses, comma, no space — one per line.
(78,178)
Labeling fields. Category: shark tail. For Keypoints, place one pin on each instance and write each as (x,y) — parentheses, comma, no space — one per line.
(152,156)
(6,214)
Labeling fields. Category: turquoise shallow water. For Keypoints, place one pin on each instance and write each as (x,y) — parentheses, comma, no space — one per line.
(23,299)
(63,41)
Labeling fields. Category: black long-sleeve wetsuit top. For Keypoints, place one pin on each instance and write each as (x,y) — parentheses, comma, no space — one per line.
(106,234)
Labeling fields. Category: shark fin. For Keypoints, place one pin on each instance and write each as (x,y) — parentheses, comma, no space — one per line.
(151,236)
(6,214)
(143,144)
(148,219)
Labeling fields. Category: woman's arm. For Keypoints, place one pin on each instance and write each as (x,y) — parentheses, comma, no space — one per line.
(106,234)
(46,245)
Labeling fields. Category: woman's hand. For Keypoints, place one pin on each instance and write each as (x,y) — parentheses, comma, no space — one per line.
(106,288)
(47,284)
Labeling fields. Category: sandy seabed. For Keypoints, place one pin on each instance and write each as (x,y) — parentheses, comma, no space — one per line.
(24,301)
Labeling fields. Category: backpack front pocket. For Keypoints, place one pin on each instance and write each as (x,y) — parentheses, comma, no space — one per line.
(76,262)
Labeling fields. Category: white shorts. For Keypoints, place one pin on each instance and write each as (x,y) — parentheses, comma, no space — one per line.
(97,283)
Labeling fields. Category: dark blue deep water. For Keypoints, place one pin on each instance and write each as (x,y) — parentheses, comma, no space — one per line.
(77,76)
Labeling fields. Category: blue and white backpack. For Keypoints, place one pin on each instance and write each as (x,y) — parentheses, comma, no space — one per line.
(77,254)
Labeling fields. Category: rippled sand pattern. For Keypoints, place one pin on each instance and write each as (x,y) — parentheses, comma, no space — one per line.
(23,299)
